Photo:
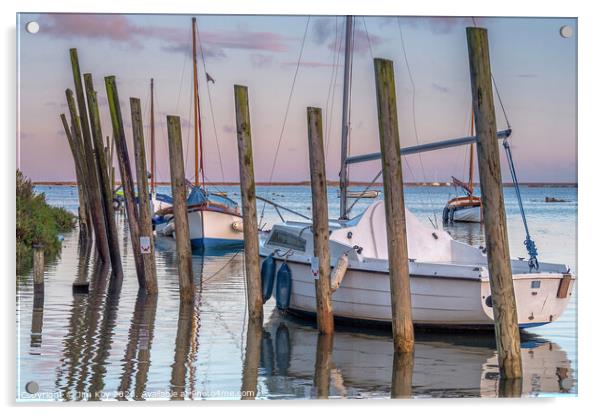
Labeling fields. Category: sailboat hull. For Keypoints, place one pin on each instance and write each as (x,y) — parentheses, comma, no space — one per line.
(213,229)
(467,214)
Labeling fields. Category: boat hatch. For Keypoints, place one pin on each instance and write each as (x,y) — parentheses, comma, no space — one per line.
(284,239)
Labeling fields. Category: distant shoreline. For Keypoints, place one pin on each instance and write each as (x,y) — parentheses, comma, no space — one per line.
(331,183)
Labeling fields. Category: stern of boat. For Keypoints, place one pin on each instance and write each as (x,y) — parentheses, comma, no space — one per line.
(541,297)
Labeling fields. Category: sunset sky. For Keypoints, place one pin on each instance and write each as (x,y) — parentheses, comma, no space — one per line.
(534,68)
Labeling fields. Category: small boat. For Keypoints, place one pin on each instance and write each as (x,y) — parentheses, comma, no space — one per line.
(365,194)
(214,219)
(464,208)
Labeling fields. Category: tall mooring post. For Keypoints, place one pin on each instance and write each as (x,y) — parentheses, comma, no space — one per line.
(103,177)
(94,186)
(127,182)
(180,211)
(494,216)
(399,274)
(319,202)
(249,208)
(147,244)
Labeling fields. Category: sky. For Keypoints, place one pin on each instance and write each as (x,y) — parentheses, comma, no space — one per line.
(290,63)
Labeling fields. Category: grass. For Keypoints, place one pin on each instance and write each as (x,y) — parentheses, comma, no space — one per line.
(37,223)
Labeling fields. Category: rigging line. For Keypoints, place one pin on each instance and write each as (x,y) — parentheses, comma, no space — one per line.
(403,47)
(164,134)
(497,92)
(338,49)
(189,128)
(219,152)
(331,84)
(288,105)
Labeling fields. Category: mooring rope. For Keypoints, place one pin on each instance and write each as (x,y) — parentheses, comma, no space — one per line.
(529,243)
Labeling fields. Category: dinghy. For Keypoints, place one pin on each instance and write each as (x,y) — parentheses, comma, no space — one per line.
(449,279)
(465,208)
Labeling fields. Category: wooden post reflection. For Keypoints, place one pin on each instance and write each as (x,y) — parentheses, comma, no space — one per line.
(510,387)
(138,347)
(248,389)
(37,319)
(403,368)
(323,365)
(182,349)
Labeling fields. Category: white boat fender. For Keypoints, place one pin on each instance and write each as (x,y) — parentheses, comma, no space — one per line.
(237,226)
(283,287)
(338,272)
(268,271)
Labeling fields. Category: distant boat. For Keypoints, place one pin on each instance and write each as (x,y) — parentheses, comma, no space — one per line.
(366,194)
(214,220)
(465,208)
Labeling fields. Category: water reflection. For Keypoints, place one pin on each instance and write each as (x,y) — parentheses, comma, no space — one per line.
(136,360)
(363,364)
(248,389)
(182,351)
(470,233)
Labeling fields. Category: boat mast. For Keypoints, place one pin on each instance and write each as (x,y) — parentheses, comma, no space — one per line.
(471,166)
(198,150)
(152,137)
(345,126)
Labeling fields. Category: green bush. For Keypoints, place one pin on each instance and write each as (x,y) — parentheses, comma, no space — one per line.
(37,223)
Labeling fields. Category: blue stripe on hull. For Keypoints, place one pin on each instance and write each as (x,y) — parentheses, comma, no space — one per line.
(216,243)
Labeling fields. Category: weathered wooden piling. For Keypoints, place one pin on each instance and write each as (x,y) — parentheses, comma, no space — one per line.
(323,364)
(94,186)
(103,177)
(249,209)
(144,206)
(401,301)
(492,197)
(401,379)
(126,175)
(180,210)
(38,268)
(319,202)
(85,227)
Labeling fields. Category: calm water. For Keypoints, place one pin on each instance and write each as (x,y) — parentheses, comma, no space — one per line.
(128,346)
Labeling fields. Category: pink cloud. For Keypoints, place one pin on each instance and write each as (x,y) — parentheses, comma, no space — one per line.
(119,28)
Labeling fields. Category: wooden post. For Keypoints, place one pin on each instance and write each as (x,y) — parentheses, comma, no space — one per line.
(94,186)
(401,301)
(401,380)
(319,201)
(38,268)
(85,229)
(103,176)
(180,210)
(144,207)
(249,208)
(126,175)
(494,216)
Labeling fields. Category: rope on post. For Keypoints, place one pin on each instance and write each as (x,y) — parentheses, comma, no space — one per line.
(529,243)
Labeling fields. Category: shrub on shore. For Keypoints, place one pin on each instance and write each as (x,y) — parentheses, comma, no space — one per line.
(37,223)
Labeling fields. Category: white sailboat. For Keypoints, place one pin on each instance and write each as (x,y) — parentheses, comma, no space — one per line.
(465,208)
(214,219)
(449,279)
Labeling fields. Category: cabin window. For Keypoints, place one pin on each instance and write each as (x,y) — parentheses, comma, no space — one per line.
(287,240)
